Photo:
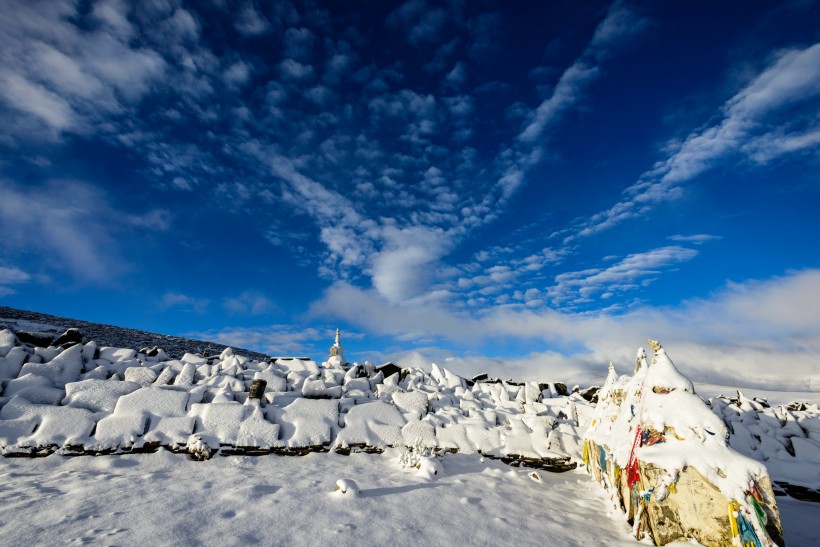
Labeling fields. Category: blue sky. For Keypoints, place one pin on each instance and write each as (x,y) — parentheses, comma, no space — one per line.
(530,190)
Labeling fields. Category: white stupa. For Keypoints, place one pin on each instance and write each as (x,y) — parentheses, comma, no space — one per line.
(337,352)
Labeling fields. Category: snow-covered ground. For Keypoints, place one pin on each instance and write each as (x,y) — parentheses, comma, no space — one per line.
(166,499)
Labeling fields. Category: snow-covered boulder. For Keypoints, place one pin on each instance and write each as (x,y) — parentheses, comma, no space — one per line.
(7,341)
(11,364)
(307,423)
(64,368)
(375,424)
(97,395)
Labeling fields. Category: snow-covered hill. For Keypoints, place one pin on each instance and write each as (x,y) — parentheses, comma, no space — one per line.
(109,335)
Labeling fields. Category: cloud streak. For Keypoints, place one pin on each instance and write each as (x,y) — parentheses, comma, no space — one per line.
(633,271)
(791,80)
(66,220)
(11,276)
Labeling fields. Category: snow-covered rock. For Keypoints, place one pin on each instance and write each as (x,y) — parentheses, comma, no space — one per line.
(664,455)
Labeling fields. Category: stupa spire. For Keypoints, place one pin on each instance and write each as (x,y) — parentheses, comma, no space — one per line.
(337,351)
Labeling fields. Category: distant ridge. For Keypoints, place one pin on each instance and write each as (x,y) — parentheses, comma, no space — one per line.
(109,335)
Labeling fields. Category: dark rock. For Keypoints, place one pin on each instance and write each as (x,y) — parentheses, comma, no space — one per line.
(71,336)
(590,394)
(359,448)
(153,352)
(39,339)
(553,465)
(257,390)
(480,377)
(490,381)
(389,369)
(560,388)
(797,407)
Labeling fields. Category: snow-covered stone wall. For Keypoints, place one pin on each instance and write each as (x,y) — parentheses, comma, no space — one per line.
(87,399)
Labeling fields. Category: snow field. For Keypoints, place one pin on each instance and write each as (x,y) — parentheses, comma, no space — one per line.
(166,499)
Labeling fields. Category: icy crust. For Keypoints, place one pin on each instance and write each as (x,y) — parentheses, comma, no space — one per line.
(86,398)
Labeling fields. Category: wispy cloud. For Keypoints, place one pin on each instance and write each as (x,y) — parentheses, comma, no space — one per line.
(697,239)
(633,271)
(249,303)
(275,340)
(11,276)
(419,22)
(182,302)
(249,22)
(69,221)
(64,79)
(620,25)
(745,128)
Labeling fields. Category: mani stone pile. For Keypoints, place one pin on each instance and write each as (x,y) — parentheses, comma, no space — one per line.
(74,398)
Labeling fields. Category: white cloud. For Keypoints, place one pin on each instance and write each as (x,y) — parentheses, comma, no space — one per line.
(620,24)
(249,22)
(184,25)
(37,101)
(294,70)
(237,74)
(404,267)
(11,276)
(73,223)
(299,44)
(319,94)
(627,274)
(457,76)
(420,23)
(697,239)
(249,303)
(67,78)
(769,146)
(182,302)
(158,220)
(565,94)
(758,333)
(274,340)
(792,78)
